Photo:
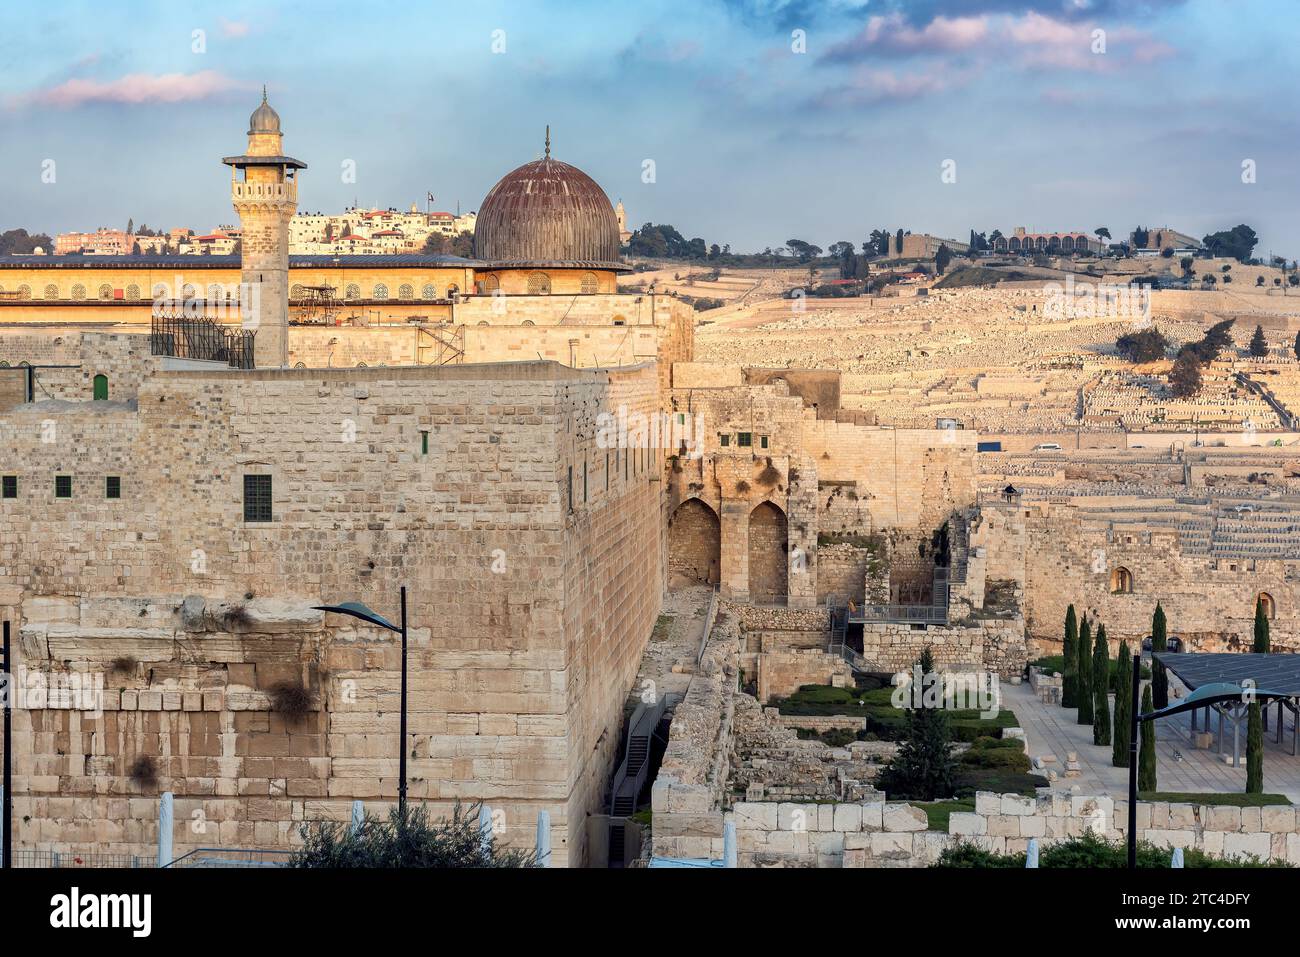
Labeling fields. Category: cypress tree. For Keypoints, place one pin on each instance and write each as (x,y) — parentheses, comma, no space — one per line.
(1123,707)
(923,768)
(1147,752)
(1159,642)
(1069,651)
(1255,750)
(1261,628)
(1083,674)
(1101,689)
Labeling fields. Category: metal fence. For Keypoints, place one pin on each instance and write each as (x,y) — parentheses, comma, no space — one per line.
(31,858)
(204,339)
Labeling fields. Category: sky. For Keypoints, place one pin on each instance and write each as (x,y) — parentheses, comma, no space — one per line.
(745,122)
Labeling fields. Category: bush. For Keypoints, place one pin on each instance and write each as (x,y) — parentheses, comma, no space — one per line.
(1091,851)
(415,842)
(144,772)
(969,781)
(290,699)
(1003,753)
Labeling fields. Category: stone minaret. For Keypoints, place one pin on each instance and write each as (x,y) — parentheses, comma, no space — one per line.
(265,197)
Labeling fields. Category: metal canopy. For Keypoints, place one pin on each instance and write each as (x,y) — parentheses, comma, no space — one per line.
(1280,673)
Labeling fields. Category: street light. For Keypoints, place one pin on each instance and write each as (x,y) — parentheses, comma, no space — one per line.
(357,610)
(1200,698)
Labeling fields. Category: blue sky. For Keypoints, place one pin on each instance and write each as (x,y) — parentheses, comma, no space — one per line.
(753,143)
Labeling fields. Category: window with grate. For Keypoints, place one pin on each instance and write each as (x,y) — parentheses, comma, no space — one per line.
(257,498)
(10,484)
(63,486)
(112,486)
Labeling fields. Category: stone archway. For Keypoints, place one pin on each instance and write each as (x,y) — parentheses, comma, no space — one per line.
(694,545)
(769,567)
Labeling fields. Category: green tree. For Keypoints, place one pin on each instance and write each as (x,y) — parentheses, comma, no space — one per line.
(1147,751)
(942,257)
(1083,673)
(1123,707)
(1159,642)
(1258,342)
(1070,653)
(922,769)
(1185,376)
(1261,629)
(412,841)
(1255,750)
(1101,689)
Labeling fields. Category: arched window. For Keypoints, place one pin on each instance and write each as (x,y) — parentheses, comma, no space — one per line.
(133,292)
(528,322)
(361,365)
(160,290)
(1270,606)
(590,286)
(296,291)
(491,283)
(300,365)
(99,388)
(380,291)
(539,284)
(353,291)
(405,291)
(482,322)
(105,291)
(188,291)
(1121,581)
(24,292)
(215,292)
(428,292)
(51,291)
(78,292)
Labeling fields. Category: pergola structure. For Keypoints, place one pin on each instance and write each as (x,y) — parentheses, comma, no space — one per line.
(1280,673)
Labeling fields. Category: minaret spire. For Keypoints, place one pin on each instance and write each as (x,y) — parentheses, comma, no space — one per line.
(548,140)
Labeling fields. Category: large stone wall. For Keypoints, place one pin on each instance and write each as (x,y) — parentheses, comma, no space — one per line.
(533,587)
(874,833)
(1209,602)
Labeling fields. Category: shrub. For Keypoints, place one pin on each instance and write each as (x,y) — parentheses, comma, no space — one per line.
(412,842)
(144,772)
(290,699)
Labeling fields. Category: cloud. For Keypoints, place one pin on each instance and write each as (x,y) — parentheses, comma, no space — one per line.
(232,28)
(134,88)
(869,87)
(892,34)
(1030,40)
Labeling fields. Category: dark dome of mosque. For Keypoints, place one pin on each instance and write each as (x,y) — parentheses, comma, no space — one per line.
(547,213)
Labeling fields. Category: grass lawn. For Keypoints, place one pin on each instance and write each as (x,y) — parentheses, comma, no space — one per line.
(884,720)
(1225,800)
(937,812)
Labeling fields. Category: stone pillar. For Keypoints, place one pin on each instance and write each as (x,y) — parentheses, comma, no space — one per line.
(166,825)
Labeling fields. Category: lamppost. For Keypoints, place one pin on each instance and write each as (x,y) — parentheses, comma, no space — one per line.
(1200,698)
(357,610)
(6,782)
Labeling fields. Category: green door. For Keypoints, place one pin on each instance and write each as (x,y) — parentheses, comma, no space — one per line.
(101,387)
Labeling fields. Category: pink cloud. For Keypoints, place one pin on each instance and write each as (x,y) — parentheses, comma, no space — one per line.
(232,28)
(893,34)
(136,88)
(880,86)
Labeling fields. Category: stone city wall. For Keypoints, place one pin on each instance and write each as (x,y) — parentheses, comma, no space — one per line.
(534,569)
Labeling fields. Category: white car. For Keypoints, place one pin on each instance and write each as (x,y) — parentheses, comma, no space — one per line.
(1047,447)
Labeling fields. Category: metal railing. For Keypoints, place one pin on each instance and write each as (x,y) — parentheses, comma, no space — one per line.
(231,857)
(203,339)
(26,857)
(908,614)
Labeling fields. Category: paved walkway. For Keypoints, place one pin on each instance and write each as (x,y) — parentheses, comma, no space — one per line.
(1051,729)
